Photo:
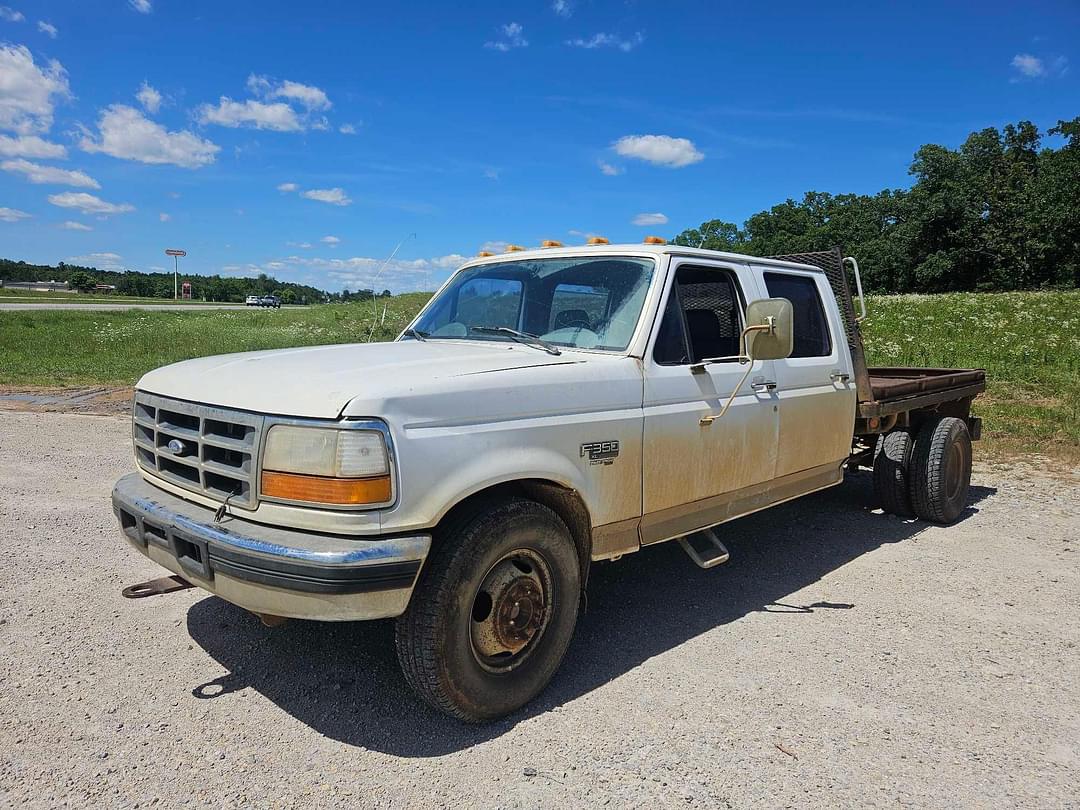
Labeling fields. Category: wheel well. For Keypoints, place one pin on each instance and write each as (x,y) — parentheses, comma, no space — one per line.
(563,501)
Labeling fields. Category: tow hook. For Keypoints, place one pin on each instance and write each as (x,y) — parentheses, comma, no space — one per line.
(156,587)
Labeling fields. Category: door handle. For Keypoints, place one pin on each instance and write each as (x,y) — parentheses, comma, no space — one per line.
(839,376)
(763,386)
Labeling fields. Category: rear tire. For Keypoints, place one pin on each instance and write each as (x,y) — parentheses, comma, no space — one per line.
(892,471)
(941,469)
(493,612)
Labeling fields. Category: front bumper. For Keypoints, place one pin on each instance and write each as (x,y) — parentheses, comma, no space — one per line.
(282,572)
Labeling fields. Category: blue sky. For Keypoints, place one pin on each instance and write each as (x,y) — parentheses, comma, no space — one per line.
(308,140)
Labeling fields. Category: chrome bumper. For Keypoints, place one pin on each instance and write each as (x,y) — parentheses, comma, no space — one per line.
(266,569)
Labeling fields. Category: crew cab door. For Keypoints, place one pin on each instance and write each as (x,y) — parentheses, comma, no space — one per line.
(815,385)
(694,473)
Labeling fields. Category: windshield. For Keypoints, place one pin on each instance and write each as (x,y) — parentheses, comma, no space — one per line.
(584,303)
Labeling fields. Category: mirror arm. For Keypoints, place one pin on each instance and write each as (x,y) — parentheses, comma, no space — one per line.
(768,326)
(699,366)
(709,418)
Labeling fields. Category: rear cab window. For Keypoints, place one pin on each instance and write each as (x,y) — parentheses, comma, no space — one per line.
(811,326)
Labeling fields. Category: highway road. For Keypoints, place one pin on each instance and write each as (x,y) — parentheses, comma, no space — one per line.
(118,306)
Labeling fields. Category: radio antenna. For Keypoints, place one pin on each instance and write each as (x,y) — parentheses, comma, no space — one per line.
(374,297)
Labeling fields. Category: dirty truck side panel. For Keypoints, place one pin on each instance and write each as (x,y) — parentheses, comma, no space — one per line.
(451,446)
(686,462)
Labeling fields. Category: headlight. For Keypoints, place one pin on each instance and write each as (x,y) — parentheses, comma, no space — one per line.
(326,465)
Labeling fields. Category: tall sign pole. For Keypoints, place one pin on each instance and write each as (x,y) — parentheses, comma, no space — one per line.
(176,254)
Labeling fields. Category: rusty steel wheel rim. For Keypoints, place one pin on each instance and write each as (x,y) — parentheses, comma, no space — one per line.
(954,471)
(510,610)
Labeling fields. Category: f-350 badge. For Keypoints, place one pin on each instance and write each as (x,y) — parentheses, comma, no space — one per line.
(601,452)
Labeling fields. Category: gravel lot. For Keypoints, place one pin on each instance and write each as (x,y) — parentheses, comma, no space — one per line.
(841,658)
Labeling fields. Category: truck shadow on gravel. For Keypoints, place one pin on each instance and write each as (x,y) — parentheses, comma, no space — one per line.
(342,680)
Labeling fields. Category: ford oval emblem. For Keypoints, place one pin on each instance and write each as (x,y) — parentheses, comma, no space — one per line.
(176,447)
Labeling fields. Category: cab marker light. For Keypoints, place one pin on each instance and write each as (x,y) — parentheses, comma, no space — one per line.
(598,240)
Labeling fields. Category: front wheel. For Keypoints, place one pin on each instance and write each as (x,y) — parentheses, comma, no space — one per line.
(493,612)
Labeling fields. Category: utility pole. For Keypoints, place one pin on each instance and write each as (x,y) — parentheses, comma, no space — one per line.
(176,254)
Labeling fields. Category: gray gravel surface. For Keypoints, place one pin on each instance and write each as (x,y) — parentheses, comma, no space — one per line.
(841,658)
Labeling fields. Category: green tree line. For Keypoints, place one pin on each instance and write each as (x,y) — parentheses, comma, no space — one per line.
(160,285)
(1000,213)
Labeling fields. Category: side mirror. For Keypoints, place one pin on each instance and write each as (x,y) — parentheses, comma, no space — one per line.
(769,333)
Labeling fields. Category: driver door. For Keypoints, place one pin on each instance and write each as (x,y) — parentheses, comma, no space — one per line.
(698,475)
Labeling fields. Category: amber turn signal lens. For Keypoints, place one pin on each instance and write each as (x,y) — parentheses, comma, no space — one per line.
(655,240)
(319,489)
(597,240)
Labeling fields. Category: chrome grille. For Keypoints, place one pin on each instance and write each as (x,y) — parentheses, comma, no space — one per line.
(218,448)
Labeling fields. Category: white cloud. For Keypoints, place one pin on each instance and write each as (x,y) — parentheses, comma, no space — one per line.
(71,225)
(562,8)
(602,40)
(12,215)
(278,116)
(36,173)
(330,240)
(494,246)
(27,91)
(126,133)
(88,203)
(1029,66)
(163,217)
(361,272)
(303,245)
(347,129)
(30,146)
(512,36)
(102,261)
(287,187)
(608,169)
(661,150)
(311,97)
(149,97)
(492,174)
(141,6)
(650,219)
(47,28)
(11,15)
(334,196)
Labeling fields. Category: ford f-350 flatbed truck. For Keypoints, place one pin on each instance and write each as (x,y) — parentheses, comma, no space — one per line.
(545,410)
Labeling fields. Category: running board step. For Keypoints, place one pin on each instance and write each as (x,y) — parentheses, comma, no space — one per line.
(704,548)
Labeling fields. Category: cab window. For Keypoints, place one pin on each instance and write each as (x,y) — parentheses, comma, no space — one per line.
(811,326)
(703,317)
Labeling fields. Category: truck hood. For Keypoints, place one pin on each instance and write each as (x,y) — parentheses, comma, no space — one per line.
(319,381)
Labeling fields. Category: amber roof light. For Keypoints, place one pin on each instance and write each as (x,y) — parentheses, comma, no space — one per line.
(597,240)
(513,248)
(655,240)
(551,243)
(484,253)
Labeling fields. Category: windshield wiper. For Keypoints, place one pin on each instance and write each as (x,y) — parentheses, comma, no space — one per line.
(416,334)
(521,337)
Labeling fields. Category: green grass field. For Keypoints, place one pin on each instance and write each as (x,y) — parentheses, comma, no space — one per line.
(1029,343)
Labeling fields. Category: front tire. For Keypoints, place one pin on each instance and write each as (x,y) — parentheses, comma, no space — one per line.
(493,612)
(941,469)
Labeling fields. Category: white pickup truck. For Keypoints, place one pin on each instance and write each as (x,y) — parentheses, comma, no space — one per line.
(547,409)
